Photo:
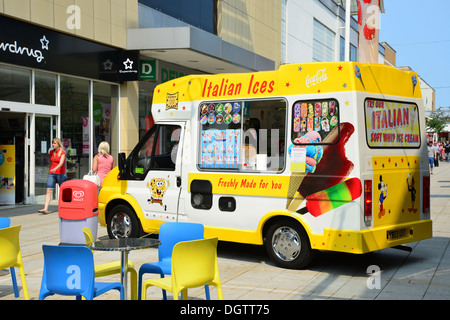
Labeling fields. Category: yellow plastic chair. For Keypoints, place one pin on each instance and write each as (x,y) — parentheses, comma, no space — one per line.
(106,269)
(10,255)
(194,264)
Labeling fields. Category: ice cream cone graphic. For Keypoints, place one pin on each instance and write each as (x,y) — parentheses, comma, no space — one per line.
(332,168)
(358,75)
(414,82)
(294,198)
(313,156)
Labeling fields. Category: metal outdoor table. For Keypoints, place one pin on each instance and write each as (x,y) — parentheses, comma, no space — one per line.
(125,245)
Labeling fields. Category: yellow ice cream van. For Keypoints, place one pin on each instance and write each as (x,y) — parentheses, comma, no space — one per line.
(313,156)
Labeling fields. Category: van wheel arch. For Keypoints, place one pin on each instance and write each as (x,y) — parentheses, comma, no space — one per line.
(287,243)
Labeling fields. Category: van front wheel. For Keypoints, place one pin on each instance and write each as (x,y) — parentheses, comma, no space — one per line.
(123,223)
(287,244)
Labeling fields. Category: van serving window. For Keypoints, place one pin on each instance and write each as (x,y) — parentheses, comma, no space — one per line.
(242,135)
(314,120)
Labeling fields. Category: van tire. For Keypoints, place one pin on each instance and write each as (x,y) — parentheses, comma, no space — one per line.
(123,223)
(287,244)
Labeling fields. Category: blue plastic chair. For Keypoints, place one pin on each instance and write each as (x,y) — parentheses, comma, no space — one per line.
(170,233)
(6,223)
(69,271)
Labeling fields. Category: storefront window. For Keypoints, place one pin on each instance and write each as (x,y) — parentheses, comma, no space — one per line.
(105,106)
(145,105)
(45,88)
(14,84)
(75,125)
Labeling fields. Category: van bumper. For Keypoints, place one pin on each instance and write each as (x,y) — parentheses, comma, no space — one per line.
(101,214)
(374,239)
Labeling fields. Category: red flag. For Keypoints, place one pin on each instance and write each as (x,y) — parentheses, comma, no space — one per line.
(368,27)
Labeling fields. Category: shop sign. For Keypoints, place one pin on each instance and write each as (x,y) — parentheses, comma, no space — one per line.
(148,70)
(28,45)
(168,71)
(128,69)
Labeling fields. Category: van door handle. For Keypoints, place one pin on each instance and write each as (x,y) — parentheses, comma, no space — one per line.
(178,182)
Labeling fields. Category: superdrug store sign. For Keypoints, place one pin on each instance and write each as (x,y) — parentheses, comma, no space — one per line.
(36,47)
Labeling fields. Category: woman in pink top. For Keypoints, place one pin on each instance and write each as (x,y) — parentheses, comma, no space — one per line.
(103,161)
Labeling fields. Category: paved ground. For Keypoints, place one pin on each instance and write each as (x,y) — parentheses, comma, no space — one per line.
(247,273)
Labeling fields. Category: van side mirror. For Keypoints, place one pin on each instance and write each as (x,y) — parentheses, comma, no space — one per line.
(122,163)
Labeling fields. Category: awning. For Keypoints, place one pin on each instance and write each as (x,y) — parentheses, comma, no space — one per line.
(196,49)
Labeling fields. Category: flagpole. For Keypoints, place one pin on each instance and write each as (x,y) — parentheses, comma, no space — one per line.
(347,29)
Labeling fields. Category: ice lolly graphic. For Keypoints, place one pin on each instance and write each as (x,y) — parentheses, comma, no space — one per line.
(358,75)
(310,110)
(303,125)
(296,124)
(317,109)
(310,124)
(304,110)
(326,200)
(297,110)
(317,123)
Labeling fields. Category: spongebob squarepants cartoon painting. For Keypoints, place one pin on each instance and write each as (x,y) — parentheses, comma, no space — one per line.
(157,188)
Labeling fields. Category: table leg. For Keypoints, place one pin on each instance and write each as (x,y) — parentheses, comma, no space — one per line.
(124,273)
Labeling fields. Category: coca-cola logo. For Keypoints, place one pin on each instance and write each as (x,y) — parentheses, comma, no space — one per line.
(317,78)
(78,195)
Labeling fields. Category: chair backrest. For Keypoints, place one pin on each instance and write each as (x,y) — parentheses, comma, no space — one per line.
(194,263)
(171,233)
(68,270)
(88,236)
(9,246)
(5,222)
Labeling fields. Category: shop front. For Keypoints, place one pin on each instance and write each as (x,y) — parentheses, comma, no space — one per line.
(54,85)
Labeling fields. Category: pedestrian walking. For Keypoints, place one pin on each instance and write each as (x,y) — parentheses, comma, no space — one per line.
(447,151)
(431,156)
(57,173)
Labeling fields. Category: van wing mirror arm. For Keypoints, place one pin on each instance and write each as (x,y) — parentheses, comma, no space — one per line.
(122,163)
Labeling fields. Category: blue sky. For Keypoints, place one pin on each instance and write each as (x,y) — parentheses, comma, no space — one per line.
(419,31)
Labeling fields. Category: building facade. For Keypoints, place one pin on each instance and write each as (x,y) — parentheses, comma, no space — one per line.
(314,30)
(57,79)
(85,70)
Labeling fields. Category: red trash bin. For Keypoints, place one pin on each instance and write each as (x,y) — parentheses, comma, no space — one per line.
(78,208)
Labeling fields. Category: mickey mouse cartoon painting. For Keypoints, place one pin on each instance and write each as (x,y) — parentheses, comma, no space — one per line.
(410,182)
(383,195)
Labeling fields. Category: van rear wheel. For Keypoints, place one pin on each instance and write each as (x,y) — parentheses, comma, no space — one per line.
(123,223)
(287,244)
